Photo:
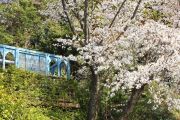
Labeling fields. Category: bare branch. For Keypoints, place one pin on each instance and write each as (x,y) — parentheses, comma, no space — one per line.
(86,4)
(132,17)
(76,14)
(117,13)
(135,11)
(68,18)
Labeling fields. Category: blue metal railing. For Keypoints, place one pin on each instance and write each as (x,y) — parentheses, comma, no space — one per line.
(34,60)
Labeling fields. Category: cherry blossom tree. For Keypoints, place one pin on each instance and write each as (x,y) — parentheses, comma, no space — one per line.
(139,40)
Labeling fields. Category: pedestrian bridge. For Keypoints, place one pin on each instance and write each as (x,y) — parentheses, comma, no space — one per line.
(39,62)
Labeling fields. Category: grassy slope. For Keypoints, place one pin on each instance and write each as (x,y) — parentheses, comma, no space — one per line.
(28,96)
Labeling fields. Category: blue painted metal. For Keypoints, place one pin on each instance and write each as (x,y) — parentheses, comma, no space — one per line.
(34,61)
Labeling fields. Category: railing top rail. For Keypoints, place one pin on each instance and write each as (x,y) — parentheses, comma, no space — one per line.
(32,52)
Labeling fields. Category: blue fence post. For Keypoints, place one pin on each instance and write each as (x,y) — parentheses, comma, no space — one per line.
(47,64)
(68,70)
(58,65)
(17,58)
(4,58)
(25,62)
(39,62)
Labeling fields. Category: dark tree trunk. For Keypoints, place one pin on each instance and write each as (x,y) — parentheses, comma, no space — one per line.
(136,94)
(93,102)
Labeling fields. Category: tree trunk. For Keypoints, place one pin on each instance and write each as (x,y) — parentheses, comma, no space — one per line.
(93,102)
(136,94)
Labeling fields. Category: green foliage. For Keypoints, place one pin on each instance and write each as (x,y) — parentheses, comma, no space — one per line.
(28,96)
(146,110)
(156,15)
(5,37)
(153,14)
(111,107)
(46,37)
(21,24)
(20,20)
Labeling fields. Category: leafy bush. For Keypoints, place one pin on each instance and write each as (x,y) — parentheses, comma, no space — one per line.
(28,96)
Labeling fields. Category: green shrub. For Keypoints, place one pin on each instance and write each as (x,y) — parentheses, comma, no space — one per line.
(29,96)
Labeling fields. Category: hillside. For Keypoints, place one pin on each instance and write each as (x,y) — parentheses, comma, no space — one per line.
(28,96)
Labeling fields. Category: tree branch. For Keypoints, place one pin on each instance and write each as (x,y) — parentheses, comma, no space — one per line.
(68,18)
(78,18)
(86,37)
(117,13)
(76,13)
(132,17)
(134,13)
